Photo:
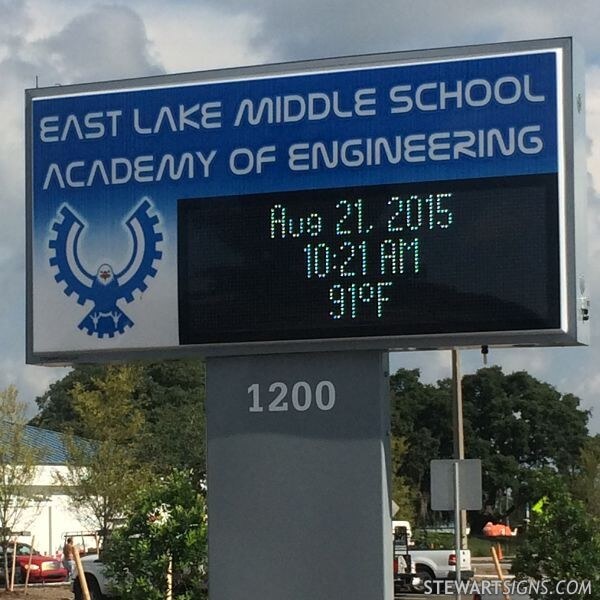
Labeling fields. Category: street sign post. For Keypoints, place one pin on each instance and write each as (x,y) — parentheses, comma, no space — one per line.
(456,486)
(407,200)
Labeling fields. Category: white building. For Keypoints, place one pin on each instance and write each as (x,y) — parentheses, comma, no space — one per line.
(49,520)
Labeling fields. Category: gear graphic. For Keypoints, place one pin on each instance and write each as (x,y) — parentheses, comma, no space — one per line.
(69,223)
(106,287)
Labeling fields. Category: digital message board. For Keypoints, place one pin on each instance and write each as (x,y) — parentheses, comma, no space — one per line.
(407,200)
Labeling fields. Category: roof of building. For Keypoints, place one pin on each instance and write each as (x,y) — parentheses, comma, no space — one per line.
(51,447)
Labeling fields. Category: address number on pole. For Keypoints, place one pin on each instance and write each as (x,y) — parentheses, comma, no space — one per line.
(299,396)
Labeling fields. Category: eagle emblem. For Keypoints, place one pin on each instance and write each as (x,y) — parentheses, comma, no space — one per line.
(103,286)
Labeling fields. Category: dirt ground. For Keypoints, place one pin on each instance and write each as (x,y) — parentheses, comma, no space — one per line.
(39,592)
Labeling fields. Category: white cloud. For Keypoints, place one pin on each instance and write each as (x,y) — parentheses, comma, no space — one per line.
(106,42)
(314,28)
(15,21)
(593,122)
(205,39)
(31,381)
(433,365)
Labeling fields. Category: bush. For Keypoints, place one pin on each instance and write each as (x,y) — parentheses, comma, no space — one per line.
(561,544)
(167,523)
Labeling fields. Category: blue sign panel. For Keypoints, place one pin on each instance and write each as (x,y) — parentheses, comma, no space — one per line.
(345,162)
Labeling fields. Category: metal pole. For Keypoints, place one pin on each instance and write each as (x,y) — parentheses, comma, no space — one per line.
(457,408)
(457,525)
(458,430)
(51,549)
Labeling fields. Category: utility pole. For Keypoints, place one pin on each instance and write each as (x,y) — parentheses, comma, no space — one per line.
(458,430)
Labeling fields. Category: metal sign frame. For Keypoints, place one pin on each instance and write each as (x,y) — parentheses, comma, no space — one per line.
(443,492)
(573,329)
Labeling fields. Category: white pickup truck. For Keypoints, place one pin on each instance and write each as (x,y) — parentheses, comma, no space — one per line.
(440,564)
(435,564)
(97,582)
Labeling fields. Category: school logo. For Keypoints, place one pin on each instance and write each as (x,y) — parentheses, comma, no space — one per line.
(105,286)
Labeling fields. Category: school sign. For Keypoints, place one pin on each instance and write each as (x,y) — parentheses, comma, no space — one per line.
(407,200)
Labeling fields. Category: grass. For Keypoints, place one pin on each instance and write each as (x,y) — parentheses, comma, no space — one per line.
(478,546)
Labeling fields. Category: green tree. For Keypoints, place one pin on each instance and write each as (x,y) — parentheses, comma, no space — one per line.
(561,544)
(102,479)
(586,482)
(170,396)
(18,467)
(55,406)
(420,415)
(519,426)
(165,530)
(514,423)
(172,399)
(402,493)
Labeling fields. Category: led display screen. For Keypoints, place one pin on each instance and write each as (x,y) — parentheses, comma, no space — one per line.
(385,260)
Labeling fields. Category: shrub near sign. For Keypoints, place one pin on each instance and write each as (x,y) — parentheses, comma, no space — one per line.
(407,200)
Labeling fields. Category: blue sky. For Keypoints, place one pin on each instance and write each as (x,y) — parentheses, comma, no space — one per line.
(68,41)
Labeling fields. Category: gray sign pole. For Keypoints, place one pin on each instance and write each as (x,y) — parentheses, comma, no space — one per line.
(460,516)
(457,528)
(458,431)
(456,485)
(298,460)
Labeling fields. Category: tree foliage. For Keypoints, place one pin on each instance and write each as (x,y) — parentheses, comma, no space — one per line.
(586,481)
(144,420)
(514,423)
(421,415)
(169,398)
(165,528)
(402,493)
(55,406)
(102,479)
(18,467)
(561,544)
(172,399)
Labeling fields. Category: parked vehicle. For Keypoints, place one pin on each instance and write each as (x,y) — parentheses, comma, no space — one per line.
(405,576)
(440,564)
(87,542)
(43,569)
(97,581)
(432,565)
